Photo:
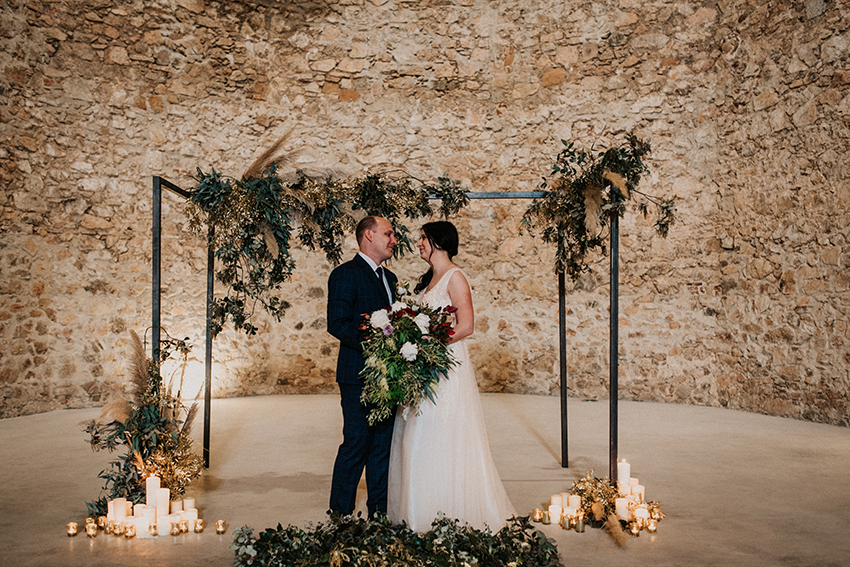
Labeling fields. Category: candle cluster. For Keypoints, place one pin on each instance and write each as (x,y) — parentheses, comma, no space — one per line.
(593,500)
(159,515)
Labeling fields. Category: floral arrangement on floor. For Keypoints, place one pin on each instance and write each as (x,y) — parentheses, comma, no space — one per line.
(406,354)
(354,541)
(155,427)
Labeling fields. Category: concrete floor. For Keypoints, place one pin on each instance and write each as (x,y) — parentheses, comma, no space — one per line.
(737,488)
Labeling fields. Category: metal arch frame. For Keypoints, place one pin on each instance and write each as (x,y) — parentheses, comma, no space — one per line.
(156,284)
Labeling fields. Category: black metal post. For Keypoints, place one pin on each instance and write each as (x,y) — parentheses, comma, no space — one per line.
(562,331)
(209,345)
(613,344)
(156,261)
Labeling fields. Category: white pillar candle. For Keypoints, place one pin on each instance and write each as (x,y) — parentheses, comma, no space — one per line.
(554,512)
(119,508)
(162,502)
(188,503)
(190,514)
(639,491)
(163,525)
(642,513)
(556,500)
(633,481)
(575,501)
(176,506)
(149,514)
(151,488)
(569,511)
(110,510)
(622,506)
(129,509)
(624,471)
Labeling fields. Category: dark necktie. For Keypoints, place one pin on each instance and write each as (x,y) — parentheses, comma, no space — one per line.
(380,273)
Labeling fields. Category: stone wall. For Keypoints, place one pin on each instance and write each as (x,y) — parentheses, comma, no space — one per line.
(745,305)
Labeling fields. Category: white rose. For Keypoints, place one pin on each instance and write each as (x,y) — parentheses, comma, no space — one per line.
(398,306)
(422,321)
(379,319)
(409,351)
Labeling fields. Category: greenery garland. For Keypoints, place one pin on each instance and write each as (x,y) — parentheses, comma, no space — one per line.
(254,221)
(583,192)
(357,542)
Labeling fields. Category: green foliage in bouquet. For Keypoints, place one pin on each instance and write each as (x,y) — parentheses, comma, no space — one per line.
(405,355)
(584,191)
(353,541)
(253,219)
(157,440)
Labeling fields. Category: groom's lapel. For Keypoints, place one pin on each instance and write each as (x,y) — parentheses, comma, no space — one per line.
(370,275)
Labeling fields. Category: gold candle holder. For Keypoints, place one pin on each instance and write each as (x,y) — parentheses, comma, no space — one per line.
(220,526)
(537,515)
(119,528)
(130,531)
(175,528)
(564,522)
(91,530)
(102,522)
(579,527)
(652,525)
(198,525)
(545,519)
(153,529)
(72,529)
(90,521)
(109,527)
(184,526)
(634,529)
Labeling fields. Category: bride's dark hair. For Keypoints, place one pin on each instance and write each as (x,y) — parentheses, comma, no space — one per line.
(443,236)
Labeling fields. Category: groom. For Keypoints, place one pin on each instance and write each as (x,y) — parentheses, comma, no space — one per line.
(356,287)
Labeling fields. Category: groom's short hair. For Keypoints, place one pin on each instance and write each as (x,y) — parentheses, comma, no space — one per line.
(366,223)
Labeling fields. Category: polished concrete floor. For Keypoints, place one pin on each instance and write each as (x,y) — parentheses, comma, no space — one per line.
(737,488)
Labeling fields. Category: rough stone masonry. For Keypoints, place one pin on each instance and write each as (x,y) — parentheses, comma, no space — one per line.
(746,104)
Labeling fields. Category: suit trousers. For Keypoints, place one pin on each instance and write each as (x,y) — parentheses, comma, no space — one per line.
(363,446)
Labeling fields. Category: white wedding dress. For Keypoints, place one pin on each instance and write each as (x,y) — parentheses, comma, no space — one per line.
(440,459)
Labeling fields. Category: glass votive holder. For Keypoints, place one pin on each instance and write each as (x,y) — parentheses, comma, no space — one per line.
(130,531)
(102,522)
(175,528)
(90,521)
(72,529)
(545,519)
(564,522)
(119,528)
(634,529)
(220,526)
(91,530)
(579,526)
(184,526)
(651,525)
(198,525)
(153,529)
(109,527)
(536,515)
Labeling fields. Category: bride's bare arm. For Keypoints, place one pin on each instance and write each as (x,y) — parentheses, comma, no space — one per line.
(461,297)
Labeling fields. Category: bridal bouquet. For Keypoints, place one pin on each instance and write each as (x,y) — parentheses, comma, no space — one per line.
(405,352)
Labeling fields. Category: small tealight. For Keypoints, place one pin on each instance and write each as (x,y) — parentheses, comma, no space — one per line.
(565,522)
(119,528)
(651,525)
(72,529)
(130,531)
(153,529)
(536,515)
(198,525)
(579,527)
(220,526)
(175,528)
(634,529)
(184,526)
(109,527)
(91,530)
(545,519)
(102,522)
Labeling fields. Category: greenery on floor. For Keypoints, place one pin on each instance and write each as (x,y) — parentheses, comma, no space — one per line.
(357,542)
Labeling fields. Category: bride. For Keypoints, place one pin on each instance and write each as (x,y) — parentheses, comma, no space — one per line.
(440,459)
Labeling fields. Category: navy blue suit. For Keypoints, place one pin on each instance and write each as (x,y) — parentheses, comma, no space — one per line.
(354,289)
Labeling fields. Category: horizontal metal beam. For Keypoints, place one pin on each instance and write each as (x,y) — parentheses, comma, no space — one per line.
(174,188)
(501,195)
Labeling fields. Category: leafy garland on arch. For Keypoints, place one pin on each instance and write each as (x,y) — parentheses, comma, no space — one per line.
(588,189)
(255,218)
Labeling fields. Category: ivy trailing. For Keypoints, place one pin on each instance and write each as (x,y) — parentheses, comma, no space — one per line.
(254,220)
(583,192)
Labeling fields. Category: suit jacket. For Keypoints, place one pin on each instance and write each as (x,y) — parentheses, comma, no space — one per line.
(354,290)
